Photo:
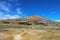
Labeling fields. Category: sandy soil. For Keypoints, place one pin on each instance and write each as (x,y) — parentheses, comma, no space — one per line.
(30,34)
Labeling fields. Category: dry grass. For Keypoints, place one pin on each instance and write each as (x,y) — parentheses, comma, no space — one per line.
(30,34)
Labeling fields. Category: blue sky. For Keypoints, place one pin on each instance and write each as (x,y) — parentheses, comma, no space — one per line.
(22,8)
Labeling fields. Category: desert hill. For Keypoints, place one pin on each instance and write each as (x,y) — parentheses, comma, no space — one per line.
(28,19)
(29,22)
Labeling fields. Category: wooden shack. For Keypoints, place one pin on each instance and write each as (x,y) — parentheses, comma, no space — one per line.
(5,22)
(24,23)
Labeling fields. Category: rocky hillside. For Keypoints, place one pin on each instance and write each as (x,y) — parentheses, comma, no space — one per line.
(32,21)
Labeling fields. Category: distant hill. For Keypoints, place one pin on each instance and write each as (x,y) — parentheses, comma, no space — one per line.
(29,21)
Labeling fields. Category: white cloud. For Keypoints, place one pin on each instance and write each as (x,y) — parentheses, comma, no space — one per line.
(9,10)
(19,11)
(4,7)
(8,16)
(11,16)
(57,20)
